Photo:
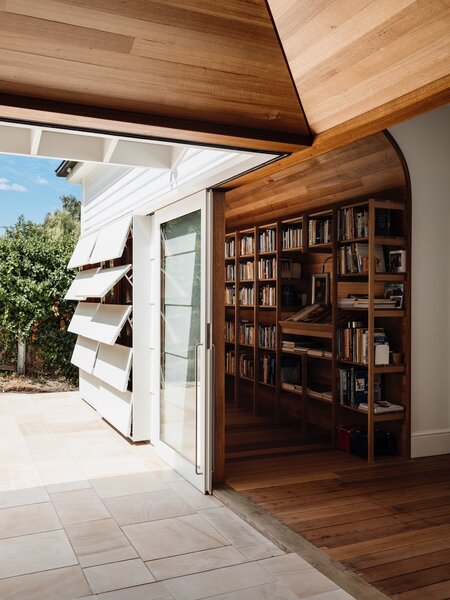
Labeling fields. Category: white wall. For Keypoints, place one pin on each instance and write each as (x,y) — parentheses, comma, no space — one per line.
(425,143)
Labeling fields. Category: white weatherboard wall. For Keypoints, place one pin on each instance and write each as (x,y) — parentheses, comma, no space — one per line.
(425,143)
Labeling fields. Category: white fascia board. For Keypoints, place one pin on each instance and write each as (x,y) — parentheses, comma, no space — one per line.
(111,240)
(82,254)
(79,283)
(85,354)
(113,365)
(116,408)
(100,322)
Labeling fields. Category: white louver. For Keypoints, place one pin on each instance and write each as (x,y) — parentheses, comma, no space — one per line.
(113,365)
(100,322)
(85,354)
(82,254)
(95,283)
(111,241)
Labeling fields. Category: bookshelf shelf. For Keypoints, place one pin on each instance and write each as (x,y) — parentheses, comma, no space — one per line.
(288,293)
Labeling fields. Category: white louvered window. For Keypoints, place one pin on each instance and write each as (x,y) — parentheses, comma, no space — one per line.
(113,365)
(95,283)
(111,241)
(100,322)
(115,407)
(85,354)
(82,254)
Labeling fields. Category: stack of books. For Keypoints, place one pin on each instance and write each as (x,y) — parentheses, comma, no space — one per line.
(230,363)
(320,391)
(353,344)
(382,406)
(247,333)
(355,302)
(267,240)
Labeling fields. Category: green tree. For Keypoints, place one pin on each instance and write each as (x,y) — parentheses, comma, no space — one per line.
(65,222)
(33,282)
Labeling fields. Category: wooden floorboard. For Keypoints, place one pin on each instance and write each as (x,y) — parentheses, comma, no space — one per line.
(388,522)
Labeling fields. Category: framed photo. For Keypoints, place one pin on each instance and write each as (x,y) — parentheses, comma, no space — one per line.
(321,289)
(397,261)
(395,291)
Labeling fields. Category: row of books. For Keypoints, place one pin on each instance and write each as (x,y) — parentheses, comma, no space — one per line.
(230,295)
(246,296)
(246,270)
(247,333)
(267,368)
(319,231)
(267,336)
(353,223)
(354,387)
(354,258)
(230,362)
(267,240)
(267,268)
(246,366)
(267,295)
(230,272)
(230,331)
(290,269)
(291,237)
(247,245)
(353,344)
(230,248)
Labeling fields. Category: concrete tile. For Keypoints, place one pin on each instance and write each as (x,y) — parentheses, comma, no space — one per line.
(170,537)
(79,506)
(124,464)
(235,530)
(219,581)
(36,552)
(193,497)
(126,485)
(118,575)
(60,584)
(24,520)
(152,506)
(269,591)
(99,542)
(195,562)
(67,486)
(298,575)
(333,595)
(261,550)
(20,497)
(151,591)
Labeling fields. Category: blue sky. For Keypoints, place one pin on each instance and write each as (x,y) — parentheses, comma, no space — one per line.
(30,187)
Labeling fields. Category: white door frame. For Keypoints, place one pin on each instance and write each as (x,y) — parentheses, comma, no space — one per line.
(200,474)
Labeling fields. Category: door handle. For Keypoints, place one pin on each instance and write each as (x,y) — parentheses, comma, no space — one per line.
(213,405)
(197,470)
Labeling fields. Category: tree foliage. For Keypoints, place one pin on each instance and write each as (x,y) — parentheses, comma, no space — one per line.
(33,281)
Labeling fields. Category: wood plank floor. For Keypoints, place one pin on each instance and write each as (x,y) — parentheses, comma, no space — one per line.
(389,522)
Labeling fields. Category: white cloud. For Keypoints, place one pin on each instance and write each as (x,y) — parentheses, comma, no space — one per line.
(41,180)
(6,185)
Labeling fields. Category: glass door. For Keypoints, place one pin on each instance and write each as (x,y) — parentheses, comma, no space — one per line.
(182,412)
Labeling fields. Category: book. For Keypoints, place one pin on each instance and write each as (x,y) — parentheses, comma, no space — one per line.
(382,406)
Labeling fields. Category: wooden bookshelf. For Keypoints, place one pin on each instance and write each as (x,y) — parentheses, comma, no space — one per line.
(313,241)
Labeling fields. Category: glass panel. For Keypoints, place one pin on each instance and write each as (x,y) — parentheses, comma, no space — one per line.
(180,331)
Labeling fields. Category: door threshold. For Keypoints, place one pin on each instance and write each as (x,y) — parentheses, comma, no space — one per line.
(290,541)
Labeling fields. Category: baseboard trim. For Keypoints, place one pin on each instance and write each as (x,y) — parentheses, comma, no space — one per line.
(430,443)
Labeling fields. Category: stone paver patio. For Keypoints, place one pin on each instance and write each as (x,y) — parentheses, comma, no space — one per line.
(85,514)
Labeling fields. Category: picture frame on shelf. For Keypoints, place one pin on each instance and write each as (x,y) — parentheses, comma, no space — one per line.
(397,261)
(395,291)
(320,289)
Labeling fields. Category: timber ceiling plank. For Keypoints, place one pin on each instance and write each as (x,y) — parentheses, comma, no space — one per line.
(367,166)
(209,63)
(351,58)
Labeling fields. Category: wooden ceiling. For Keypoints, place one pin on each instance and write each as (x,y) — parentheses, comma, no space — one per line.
(234,73)
(349,58)
(358,170)
(187,64)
